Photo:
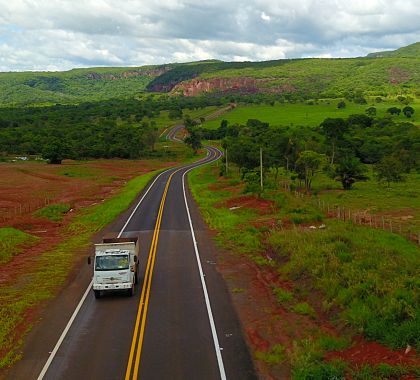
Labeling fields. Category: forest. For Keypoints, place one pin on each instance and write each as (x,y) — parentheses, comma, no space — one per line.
(340,147)
(107,129)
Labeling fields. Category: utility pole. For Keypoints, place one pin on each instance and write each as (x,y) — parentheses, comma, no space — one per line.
(226,156)
(261,168)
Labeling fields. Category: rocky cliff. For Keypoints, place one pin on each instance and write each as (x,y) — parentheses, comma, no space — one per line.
(198,86)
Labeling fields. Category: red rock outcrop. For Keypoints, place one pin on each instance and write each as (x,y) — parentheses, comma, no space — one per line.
(198,86)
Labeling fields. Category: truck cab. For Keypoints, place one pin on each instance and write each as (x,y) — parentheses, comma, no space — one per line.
(115,266)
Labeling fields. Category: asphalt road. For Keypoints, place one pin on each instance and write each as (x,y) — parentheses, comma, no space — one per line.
(186,328)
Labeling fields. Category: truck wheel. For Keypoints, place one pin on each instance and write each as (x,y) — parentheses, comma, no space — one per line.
(130,292)
(97,293)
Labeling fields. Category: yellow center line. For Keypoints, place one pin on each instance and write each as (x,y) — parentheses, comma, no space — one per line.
(137,340)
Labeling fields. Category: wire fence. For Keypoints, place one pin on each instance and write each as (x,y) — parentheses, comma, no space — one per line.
(359,217)
(9,213)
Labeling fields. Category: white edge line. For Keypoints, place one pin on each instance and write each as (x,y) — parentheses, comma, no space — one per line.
(63,334)
(203,283)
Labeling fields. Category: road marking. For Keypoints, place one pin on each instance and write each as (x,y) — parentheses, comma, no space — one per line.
(63,334)
(203,283)
(137,341)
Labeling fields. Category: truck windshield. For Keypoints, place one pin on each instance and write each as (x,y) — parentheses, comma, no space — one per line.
(114,262)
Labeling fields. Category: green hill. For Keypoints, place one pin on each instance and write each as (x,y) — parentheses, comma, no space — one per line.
(410,51)
(291,78)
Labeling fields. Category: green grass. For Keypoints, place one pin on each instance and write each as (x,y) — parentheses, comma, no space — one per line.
(370,274)
(282,295)
(304,308)
(42,283)
(54,212)
(402,197)
(274,356)
(11,241)
(306,360)
(303,114)
(231,224)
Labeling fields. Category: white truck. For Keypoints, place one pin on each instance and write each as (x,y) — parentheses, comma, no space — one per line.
(115,265)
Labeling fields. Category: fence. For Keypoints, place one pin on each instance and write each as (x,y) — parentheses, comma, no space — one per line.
(22,209)
(359,217)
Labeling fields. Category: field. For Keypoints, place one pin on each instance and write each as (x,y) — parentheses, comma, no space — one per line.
(306,115)
(320,297)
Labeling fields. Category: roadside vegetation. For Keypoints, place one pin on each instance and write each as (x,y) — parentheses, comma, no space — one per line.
(11,242)
(363,281)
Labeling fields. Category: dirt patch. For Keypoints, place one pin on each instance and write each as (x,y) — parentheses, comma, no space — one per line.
(373,353)
(263,206)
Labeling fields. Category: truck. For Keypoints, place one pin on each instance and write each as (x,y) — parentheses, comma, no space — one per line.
(115,265)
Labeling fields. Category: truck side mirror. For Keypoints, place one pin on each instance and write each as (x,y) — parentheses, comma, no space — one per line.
(135,259)
(89,260)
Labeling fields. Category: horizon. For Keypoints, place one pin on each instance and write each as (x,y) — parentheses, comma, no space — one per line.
(186,62)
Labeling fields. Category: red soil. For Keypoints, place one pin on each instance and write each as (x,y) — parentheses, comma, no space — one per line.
(373,353)
(248,201)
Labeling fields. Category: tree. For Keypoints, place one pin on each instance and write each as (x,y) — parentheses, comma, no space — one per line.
(333,130)
(349,170)
(194,141)
(371,111)
(307,165)
(341,104)
(389,169)
(394,111)
(55,151)
(408,111)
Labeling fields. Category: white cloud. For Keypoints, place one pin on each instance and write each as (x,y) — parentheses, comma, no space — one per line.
(265,16)
(44,34)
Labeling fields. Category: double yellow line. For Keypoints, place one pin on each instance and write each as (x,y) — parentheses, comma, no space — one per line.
(138,335)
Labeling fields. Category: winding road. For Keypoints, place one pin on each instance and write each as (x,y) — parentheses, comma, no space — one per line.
(180,324)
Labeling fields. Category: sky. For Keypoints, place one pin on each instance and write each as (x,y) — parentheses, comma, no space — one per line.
(52,35)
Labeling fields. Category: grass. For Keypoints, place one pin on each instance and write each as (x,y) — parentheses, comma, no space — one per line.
(370,274)
(400,199)
(11,241)
(54,212)
(306,360)
(42,283)
(231,224)
(367,277)
(304,308)
(282,295)
(303,114)
(275,355)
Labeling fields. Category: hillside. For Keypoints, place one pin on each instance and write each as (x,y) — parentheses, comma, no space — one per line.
(410,51)
(77,85)
(296,78)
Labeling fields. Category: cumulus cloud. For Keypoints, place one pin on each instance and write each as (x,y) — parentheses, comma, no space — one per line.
(61,34)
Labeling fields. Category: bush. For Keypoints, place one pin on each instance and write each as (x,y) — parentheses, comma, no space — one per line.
(305,309)
(54,212)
